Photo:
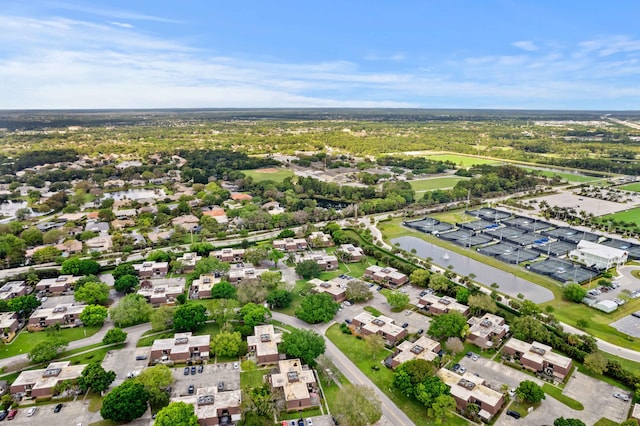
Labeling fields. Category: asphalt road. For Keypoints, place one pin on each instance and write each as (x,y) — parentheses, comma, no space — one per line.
(389,410)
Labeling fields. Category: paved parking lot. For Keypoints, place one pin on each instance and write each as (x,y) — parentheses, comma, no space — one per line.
(123,361)
(73,413)
(597,398)
(628,325)
(495,373)
(211,376)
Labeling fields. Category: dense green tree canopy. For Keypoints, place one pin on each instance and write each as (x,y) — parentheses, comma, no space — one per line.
(126,283)
(96,378)
(125,402)
(47,350)
(574,292)
(530,392)
(397,299)
(177,414)
(189,317)
(308,269)
(317,308)
(114,335)
(279,298)
(223,290)
(253,314)
(92,293)
(131,310)
(122,270)
(227,344)
(94,315)
(357,405)
(451,324)
(304,344)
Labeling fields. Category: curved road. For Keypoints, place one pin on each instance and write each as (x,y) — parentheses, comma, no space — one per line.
(389,410)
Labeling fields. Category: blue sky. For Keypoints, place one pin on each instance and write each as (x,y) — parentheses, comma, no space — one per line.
(525,54)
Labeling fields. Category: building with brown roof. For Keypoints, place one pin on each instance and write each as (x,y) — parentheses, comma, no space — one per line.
(214,407)
(365,324)
(319,239)
(423,348)
(539,358)
(336,288)
(326,262)
(264,344)
(181,348)
(487,331)
(70,247)
(229,255)
(41,383)
(438,305)
(290,244)
(241,196)
(152,269)
(13,289)
(470,389)
(63,314)
(298,384)
(187,222)
(201,287)
(56,285)
(351,253)
(385,275)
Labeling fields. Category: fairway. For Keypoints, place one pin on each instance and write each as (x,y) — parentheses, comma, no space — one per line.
(631,216)
(276,175)
(423,185)
(635,187)
(462,160)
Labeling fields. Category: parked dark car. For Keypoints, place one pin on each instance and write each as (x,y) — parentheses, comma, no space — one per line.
(455,368)
(405,325)
(513,414)
(58,408)
(300,422)
(347,320)
(420,330)
(186,371)
(191,389)
(220,386)
(3,414)
(141,357)
(193,369)
(200,368)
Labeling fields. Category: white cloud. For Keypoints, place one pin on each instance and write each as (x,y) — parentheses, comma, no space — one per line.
(526,45)
(393,57)
(121,24)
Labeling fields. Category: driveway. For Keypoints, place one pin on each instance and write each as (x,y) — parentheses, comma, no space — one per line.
(495,373)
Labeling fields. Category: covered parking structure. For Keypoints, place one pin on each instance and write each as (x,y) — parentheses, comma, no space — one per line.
(527,224)
(571,235)
(633,250)
(490,214)
(562,270)
(554,248)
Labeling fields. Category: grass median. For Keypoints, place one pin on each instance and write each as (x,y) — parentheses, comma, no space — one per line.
(557,394)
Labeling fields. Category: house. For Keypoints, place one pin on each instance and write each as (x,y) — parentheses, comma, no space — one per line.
(485,331)
(598,256)
(217,213)
(102,243)
(156,237)
(120,224)
(151,269)
(63,314)
(42,383)
(438,305)
(264,344)
(188,222)
(201,287)
(336,288)
(470,389)
(273,208)
(181,348)
(320,239)
(365,324)
(13,289)
(298,384)
(70,247)
(326,262)
(423,348)
(8,323)
(214,407)
(124,214)
(351,253)
(56,285)
(240,196)
(385,275)
(161,292)
(635,413)
(100,227)
(241,273)
(538,357)
(290,244)
(229,255)
(188,261)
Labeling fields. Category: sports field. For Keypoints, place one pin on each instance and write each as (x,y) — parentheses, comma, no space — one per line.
(631,215)
(635,187)
(462,160)
(423,185)
(276,175)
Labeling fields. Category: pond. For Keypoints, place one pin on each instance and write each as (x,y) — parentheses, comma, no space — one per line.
(137,194)
(9,208)
(485,274)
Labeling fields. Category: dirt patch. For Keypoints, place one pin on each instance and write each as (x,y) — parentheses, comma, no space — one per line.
(269,170)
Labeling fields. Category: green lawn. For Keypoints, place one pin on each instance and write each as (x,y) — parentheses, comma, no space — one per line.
(521,407)
(462,160)
(298,293)
(556,393)
(423,185)
(605,422)
(93,356)
(631,216)
(635,187)
(254,378)
(569,177)
(354,349)
(277,176)
(25,341)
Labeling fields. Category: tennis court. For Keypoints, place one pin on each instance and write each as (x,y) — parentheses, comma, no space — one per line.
(477,225)
(632,249)
(571,235)
(555,248)
(490,214)
(525,239)
(527,224)
(562,270)
(497,249)
(429,225)
(518,256)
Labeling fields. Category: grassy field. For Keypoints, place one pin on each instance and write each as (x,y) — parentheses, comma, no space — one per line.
(383,378)
(454,216)
(26,340)
(569,177)
(631,215)
(462,160)
(423,185)
(297,294)
(254,378)
(277,176)
(635,187)
(605,422)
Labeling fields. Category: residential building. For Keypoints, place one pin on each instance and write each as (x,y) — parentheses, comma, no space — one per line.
(598,256)
(437,305)
(70,247)
(229,255)
(216,213)
(63,314)
(56,285)
(161,292)
(188,261)
(485,331)
(241,273)
(264,344)
(319,239)
(120,224)
(291,244)
(101,243)
(8,323)
(365,324)
(240,196)
(326,262)
(336,288)
(214,407)
(298,384)
(151,269)
(201,287)
(181,348)
(423,348)
(385,275)
(13,289)
(538,357)
(470,389)
(351,253)
(41,383)
(187,222)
